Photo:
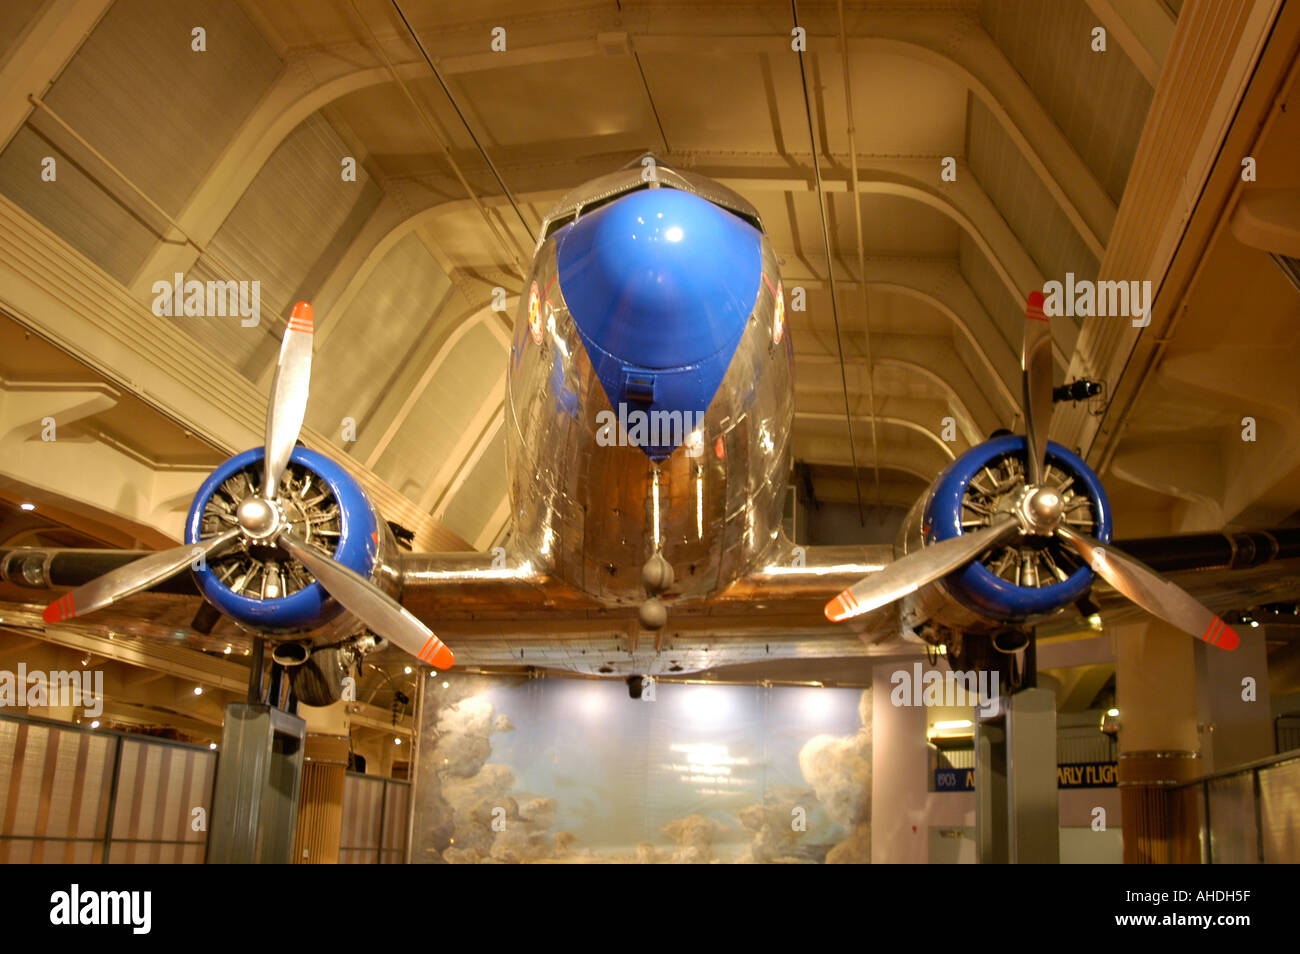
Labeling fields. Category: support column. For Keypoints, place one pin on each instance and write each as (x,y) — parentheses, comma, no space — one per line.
(1033,802)
(990,793)
(324,771)
(1155,681)
(1236,711)
(255,797)
(1017,805)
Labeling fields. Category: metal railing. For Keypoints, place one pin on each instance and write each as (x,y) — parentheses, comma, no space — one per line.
(75,795)
(374,819)
(1250,814)
(1286,732)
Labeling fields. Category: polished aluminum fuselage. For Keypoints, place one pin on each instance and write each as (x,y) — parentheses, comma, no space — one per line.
(590,515)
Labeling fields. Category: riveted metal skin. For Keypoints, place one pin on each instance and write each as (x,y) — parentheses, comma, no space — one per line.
(364,545)
(719,511)
(980,595)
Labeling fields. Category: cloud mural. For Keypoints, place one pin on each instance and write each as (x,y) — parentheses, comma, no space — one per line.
(778,827)
(488,823)
(839,771)
(565,771)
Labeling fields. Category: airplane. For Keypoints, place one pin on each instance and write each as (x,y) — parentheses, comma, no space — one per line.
(649,412)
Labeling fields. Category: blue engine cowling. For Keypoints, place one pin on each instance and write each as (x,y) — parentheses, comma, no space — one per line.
(311,607)
(976,587)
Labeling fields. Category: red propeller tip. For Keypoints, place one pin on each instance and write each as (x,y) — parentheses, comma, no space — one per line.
(59,610)
(1034,307)
(840,608)
(300,319)
(436,654)
(1221,635)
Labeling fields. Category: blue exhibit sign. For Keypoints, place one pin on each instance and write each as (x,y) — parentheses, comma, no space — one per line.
(1087,774)
(1068,775)
(954,780)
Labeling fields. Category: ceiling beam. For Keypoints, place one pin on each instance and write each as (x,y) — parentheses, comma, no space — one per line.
(940,284)
(1177,195)
(942,368)
(50,289)
(38,56)
(953,43)
(309,81)
(477,436)
(884,420)
(963,201)
(1143,28)
(419,377)
(818,442)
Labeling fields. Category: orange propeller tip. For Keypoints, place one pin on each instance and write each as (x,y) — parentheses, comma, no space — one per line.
(444,659)
(1228,639)
(300,319)
(59,610)
(838,609)
(1036,299)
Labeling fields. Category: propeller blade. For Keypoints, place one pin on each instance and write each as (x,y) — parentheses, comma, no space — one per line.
(1161,598)
(1036,369)
(288,403)
(915,570)
(368,603)
(135,576)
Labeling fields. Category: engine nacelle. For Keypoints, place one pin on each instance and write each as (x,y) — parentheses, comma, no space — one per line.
(1015,583)
(261,587)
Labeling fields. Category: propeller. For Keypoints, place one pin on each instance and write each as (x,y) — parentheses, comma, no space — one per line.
(288,403)
(1151,591)
(1036,373)
(914,571)
(133,577)
(260,520)
(1037,512)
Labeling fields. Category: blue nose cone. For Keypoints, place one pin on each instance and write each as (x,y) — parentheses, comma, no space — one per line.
(660,284)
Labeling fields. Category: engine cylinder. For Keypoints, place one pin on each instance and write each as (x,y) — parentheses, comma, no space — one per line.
(258,584)
(1025,579)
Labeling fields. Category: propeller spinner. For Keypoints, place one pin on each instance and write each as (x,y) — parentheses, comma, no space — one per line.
(1037,511)
(260,519)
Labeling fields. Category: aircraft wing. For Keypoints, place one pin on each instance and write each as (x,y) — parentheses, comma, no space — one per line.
(502,611)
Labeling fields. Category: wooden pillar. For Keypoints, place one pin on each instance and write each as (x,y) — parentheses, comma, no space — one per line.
(1159,747)
(320,812)
(320,807)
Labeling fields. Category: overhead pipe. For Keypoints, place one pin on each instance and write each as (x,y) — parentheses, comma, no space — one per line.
(830,270)
(862,252)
